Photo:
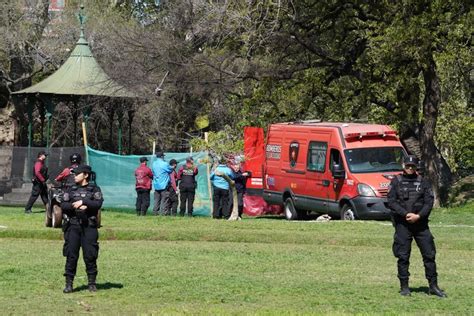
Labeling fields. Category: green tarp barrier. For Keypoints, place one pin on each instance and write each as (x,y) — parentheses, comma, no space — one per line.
(116,177)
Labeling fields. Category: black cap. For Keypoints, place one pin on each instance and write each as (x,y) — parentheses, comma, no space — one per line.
(160,154)
(42,153)
(189,159)
(173,162)
(83,169)
(143,159)
(410,160)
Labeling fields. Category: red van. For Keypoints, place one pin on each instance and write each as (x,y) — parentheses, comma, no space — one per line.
(340,169)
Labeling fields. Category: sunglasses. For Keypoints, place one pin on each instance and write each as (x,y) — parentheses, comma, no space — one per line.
(410,167)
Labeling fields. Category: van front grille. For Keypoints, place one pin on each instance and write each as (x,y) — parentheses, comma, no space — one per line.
(383,192)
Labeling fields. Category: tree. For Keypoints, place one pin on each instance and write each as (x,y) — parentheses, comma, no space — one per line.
(22,24)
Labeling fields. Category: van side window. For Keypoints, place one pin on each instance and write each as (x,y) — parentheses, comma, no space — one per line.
(335,159)
(317,156)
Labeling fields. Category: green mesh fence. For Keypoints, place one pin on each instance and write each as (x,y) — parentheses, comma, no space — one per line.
(115,176)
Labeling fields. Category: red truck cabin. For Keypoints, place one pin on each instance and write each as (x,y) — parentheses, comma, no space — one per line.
(340,169)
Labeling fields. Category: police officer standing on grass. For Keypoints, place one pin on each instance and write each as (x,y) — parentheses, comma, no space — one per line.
(411,199)
(80,206)
(40,175)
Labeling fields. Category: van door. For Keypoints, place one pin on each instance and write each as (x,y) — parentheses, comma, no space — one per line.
(316,185)
(334,189)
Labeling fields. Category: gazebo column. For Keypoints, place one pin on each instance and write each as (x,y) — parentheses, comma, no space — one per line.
(42,113)
(131,114)
(49,115)
(29,111)
(111,128)
(120,120)
(30,102)
(75,115)
(85,125)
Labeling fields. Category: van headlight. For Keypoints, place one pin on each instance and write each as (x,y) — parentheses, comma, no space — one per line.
(365,190)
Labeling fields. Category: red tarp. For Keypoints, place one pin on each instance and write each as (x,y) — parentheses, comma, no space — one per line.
(254,152)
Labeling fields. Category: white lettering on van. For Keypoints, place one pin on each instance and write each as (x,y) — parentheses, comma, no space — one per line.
(273,151)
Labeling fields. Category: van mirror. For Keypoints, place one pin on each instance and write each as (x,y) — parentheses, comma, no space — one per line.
(338,171)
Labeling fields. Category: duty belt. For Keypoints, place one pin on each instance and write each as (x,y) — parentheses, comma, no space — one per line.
(75,221)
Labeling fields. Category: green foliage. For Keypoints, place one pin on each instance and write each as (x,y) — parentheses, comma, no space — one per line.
(220,144)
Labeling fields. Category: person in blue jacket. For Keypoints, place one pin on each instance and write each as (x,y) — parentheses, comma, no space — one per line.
(161,183)
(220,188)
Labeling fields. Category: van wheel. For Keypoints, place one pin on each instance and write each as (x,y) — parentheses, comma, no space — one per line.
(57,216)
(347,213)
(290,211)
(48,221)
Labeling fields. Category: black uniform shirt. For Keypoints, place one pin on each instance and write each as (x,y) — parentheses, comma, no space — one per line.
(90,195)
(410,194)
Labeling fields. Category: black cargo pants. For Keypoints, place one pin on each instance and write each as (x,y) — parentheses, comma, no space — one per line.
(39,189)
(404,234)
(220,202)
(143,201)
(75,237)
(186,195)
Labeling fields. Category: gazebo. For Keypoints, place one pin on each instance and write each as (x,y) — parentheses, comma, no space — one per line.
(78,80)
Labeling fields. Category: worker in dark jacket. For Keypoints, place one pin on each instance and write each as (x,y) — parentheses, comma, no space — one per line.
(143,177)
(66,177)
(240,179)
(80,205)
(187,186)
(40,175)
(411,199)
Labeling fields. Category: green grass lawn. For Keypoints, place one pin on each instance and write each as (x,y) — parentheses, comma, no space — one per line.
(269,266)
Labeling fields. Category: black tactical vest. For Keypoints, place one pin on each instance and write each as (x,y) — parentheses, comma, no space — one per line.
(410,193)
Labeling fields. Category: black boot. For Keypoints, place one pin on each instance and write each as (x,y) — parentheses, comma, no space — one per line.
(68,287)
(92,286)
(404,289)
(434,289)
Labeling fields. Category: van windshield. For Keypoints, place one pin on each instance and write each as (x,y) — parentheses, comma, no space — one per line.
(375,159)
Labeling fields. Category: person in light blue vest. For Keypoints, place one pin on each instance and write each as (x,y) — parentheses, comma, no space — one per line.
(220,188)
(161,182)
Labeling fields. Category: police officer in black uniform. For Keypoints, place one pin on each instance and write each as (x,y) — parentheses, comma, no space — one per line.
(411,199)
(80,206)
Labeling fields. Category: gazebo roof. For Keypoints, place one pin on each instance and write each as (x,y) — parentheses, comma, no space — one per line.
(80,75)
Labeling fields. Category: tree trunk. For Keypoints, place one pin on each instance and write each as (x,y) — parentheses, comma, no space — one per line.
(430,156)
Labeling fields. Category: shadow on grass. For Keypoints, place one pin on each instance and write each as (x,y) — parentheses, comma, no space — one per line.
(309,217)
(420,289)
(101,286)
(267,217)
